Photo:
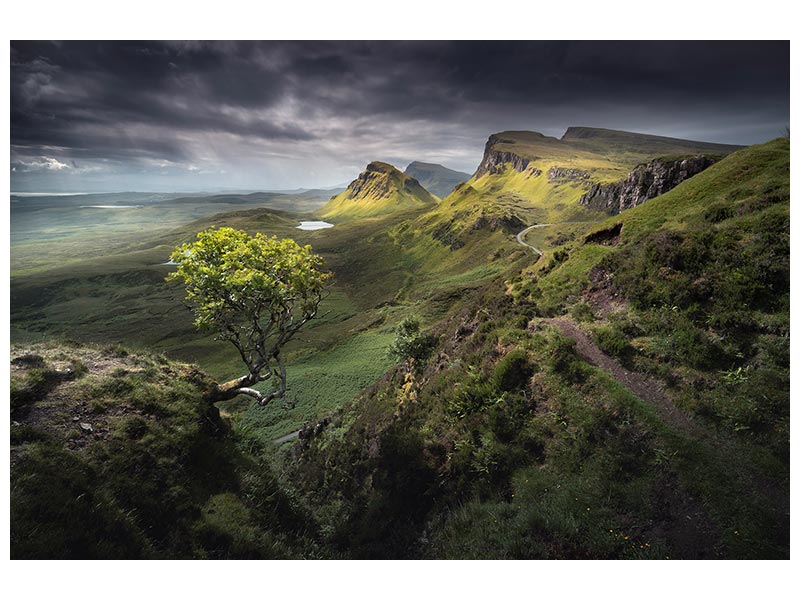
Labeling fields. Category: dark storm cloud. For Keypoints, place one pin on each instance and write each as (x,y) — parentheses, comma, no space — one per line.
(305,113)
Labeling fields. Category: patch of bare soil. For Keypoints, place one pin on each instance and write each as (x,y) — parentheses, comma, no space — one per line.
(65,410)
(601,296)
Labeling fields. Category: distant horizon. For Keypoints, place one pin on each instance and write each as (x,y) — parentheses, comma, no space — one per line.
(300,188)
(172,116)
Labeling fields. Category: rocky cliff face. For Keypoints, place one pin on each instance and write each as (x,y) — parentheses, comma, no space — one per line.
(495,160)
(376,180)
(564,174)
(643,183)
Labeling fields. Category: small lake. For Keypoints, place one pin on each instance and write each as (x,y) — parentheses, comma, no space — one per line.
(314,225)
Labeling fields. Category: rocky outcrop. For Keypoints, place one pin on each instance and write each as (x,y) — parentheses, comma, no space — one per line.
(507,222)
(646,181)
(375,180)
(494,161)
(563,174)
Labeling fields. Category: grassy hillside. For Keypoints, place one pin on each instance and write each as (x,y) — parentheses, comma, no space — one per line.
(626,396)
(704,272)
(380,189)
(623,396)
(637,146)
(116,455)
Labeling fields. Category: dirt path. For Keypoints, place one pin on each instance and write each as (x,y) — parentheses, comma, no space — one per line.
(287,437)
(522,233)
(646,388)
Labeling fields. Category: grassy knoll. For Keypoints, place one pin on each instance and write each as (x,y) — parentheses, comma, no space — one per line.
(116,455)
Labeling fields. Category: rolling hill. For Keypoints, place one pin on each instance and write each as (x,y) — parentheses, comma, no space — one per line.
(526,178)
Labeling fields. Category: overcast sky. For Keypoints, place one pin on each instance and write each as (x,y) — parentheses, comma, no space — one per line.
(189,116)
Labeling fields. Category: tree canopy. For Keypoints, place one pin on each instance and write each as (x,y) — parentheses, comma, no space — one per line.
(255,292)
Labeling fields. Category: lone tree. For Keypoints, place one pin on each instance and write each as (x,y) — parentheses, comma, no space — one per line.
(255,292)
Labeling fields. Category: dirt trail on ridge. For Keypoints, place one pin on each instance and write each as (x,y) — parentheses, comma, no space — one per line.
(644,387)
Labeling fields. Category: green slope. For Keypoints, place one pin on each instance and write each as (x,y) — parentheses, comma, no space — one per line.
(509,444)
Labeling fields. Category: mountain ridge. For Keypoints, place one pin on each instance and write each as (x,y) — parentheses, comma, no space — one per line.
(436,178)
(605,148)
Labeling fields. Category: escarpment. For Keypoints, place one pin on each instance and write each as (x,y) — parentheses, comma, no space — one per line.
(495,160)
(646,181)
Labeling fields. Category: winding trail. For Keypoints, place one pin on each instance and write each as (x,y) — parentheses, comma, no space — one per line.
(728,450)
(646,388)
(522,233)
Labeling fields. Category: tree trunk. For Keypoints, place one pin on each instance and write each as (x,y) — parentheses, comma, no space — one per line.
(231,389)
(234,387)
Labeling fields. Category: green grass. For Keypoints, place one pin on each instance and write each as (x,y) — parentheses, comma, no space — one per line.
(123,298)
(320,384)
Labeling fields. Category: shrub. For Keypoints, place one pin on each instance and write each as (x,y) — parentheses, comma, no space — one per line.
(563,360)
(582,312)
(612,341)
(718,212)
(512,371)
(410,343)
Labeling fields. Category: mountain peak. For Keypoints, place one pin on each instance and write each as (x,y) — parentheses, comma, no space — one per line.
(379,189)
(437,179)
(377,166)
